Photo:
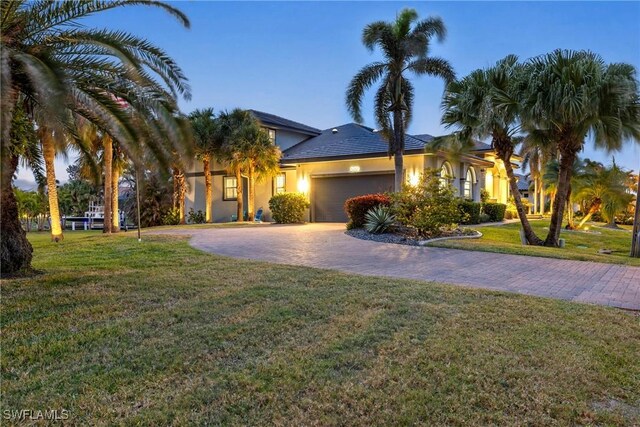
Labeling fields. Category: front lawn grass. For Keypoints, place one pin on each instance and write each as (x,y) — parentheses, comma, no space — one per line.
(158,333)
(579,246)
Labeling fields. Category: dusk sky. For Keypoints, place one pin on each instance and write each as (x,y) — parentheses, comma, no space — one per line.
(295,59)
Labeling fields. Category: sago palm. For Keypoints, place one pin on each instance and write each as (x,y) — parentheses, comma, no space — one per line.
(571,95)
(405,45)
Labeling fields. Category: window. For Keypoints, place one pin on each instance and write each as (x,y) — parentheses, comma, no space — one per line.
(229,188)
(446,175)
(280,183)
(272,134)
(468,184)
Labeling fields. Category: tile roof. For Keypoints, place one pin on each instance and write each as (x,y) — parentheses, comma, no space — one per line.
(523,182)
(282,123)
(349,140)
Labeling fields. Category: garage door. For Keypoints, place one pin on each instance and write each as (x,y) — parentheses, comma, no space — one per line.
(329,194)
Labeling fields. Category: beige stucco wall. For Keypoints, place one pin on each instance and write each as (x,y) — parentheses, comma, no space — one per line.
(222,210)
(494,180)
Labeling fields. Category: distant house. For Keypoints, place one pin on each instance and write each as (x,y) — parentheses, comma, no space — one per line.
(337,163)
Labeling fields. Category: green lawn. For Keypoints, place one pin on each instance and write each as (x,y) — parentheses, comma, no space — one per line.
(157,333)
(579,246)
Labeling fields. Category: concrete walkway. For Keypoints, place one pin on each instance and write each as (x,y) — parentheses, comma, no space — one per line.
(326,246)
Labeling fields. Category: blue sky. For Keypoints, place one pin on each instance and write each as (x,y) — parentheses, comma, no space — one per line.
(295,59)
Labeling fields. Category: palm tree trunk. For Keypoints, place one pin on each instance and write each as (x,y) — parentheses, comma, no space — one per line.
(570,224)
(49,154)
(239,194)
(564,184)
(15,249)
(179,187)
(115,192)
(107,143)
(593,209)
(252,192)
(397,148)
(208,188)
(530,235)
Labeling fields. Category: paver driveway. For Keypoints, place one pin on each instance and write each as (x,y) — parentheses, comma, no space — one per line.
(326,246)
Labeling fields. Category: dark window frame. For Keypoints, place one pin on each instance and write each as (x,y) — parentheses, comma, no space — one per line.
(269,130)
(224,188)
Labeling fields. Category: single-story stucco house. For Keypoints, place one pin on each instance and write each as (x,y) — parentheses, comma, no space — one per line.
(341,162)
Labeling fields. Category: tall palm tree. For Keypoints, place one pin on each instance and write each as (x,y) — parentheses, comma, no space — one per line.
(204,126)
(569,95)
(63,70)
(405,45)
(484,105)
(232,126)
(262,159)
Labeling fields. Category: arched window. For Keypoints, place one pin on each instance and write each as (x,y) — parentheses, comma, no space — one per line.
(469,183)
(446,174)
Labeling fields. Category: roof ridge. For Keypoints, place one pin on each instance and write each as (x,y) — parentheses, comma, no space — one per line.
(277,117)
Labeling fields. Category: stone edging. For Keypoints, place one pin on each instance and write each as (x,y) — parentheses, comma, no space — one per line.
(473,236)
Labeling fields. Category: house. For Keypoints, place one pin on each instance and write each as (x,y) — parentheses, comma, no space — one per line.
(338,163)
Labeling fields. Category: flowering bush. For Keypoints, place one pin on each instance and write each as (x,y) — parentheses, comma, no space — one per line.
(357,207)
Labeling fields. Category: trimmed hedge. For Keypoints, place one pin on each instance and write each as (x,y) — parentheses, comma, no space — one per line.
(356,208)
(469,212)
(288,208)
(495,211)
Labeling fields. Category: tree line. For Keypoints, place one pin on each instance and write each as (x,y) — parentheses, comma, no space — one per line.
(550,105)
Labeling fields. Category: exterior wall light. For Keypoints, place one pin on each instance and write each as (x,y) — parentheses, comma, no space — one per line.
(303,185)
(414,178)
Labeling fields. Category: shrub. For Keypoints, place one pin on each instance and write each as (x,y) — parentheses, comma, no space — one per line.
(356,208)
(484,195)
(378,219)
(429,207)
(469,212)
(196,217)
(172,217)
(288,208)
(495,211)
(484,217)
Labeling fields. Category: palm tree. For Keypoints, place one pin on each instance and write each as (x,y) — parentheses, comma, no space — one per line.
(55,66)
(245,148)
(203,124)
(579,173)
(262,159)
(405,47)
(569,95)
(483,105)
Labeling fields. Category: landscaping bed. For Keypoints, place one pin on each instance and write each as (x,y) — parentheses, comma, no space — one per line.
(407,236)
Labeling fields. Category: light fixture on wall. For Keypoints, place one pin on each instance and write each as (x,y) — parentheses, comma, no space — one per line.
(354,169)
(303,185)
(413,178)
